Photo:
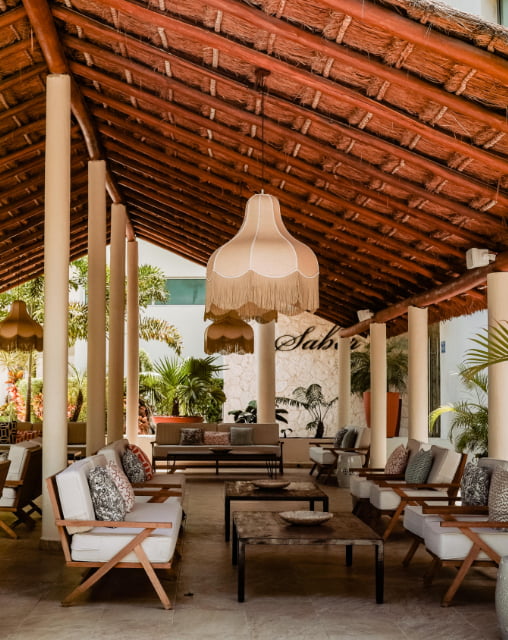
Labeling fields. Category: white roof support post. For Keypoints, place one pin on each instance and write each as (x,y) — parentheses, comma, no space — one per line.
(418,374)
(378,394)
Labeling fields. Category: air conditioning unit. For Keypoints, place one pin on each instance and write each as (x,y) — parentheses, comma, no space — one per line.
(479,258)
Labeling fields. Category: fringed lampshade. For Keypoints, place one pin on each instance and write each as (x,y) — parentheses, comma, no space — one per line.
(18,331)
(229,335)
(262,269)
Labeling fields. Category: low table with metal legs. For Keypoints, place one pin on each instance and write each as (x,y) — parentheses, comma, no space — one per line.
(268,528)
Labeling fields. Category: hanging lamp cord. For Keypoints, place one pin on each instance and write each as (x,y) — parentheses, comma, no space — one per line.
(261,87)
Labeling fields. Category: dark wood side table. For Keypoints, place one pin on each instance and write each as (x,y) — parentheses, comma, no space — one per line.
(268,528)
(295,492)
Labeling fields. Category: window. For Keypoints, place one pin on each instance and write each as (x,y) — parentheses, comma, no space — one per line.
(503,12)
(185,291)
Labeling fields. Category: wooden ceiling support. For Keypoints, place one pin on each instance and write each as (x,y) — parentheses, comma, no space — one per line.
(461,285)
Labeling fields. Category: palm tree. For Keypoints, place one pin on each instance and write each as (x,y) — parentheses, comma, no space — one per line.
(470,420)
(492,348)
(313,400)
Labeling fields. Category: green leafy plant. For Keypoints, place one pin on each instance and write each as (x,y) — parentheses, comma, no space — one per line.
(396,367)
(313,400)
(469,429)
(250,414)
(492,348)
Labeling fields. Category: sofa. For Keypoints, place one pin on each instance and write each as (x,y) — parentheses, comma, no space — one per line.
(218,443)
(104,524)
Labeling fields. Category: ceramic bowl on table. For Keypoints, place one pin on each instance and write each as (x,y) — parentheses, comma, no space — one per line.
(307,518)
(270,484)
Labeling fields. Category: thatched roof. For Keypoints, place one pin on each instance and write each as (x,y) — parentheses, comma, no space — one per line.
(384,135)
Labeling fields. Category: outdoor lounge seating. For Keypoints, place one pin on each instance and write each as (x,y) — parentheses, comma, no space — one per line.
(389,498)
(22,485)
(218,443)
(324,456)
(143,537)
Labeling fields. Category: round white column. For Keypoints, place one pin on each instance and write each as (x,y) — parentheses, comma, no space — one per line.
(418,374)
(497,285)
(378,394)
(96,345)
(116,324)
(56,286)
(344,382)
(265,360)
(132,401)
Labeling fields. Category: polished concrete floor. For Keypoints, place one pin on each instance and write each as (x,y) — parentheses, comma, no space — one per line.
(291,592)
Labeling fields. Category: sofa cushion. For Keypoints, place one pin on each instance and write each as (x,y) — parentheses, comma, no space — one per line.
(122,484)
(115,450)
(216,438)
(191,435)
(143,458)
(339,437)
(413,447)
(444,465)
(8,432)
(359,486)
(384,498)
(265,433)
(17,455)
(133,467)
(107,500)
(349,440)
(474,485)
(322,455)
(74,491)
(241,436)
(418,468)
(397,461)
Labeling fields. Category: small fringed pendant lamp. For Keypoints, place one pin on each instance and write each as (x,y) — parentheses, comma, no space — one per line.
(18,331)
(228,335)
(263,270)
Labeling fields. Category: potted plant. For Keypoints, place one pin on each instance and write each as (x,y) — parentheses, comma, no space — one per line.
(396,378)
(180,390)
(313,400)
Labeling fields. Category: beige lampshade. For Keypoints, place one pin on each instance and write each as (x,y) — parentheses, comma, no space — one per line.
(18,331)
(262,269)
(229,335)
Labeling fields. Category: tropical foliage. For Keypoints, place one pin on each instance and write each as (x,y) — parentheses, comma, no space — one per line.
(312,400)
(469,426)
(249,415)
(396,366)
(492,348)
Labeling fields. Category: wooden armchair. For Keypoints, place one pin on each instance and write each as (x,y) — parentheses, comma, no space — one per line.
(22,485)
(325,455)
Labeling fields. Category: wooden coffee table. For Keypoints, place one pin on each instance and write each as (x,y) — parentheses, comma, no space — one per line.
(295,492)
(267,527)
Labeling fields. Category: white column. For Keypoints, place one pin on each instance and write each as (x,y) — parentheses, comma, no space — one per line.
(378,394)
(344,382)
(497,285)
(132,409)
(116,324)
(56,286)
(265,360)
(96,346)
(418,374)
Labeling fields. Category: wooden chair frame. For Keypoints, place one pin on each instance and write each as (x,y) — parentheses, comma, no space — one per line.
(452,490)
(336,451)
(102,568)
(28,488)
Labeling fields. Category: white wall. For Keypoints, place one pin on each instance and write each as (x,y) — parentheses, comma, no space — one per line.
(487,9)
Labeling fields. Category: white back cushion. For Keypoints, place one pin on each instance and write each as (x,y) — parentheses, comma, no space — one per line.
(444,465)
(17,456)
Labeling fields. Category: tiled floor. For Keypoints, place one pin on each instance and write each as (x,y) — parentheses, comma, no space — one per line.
(291,592)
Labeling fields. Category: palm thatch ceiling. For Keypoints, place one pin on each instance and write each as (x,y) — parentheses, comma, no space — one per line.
(383,134)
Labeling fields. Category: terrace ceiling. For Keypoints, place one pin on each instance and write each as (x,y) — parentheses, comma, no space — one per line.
(384,134)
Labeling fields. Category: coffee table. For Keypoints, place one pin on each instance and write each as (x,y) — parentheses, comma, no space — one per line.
(267,527)
(246,490)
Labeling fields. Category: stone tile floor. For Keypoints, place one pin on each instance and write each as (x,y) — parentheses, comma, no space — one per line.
(296,593)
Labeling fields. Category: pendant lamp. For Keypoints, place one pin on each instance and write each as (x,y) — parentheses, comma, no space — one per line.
(263,269)
(18,331)
(228,335)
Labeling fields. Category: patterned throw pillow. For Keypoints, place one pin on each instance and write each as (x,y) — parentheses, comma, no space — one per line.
(191,435)
(339,437)
(216,437)
(474,485)
(397,461)
(8,432)
(241,436)
(133,467)
(107,502)
(143,458)
(418,468)
(122,484)
(349,439)
(498,495)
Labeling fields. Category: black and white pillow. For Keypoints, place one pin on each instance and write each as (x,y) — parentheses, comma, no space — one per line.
(418,468)
(107,501)
(339,437)
(498,495)
(8,432)
(474,485)
(133,467)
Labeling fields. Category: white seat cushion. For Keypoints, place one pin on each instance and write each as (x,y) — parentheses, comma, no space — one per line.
(414,519)
(100,544)
(17,455)
(359,486)
(448,543)
(321,455)
(8,497)
(384,498)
